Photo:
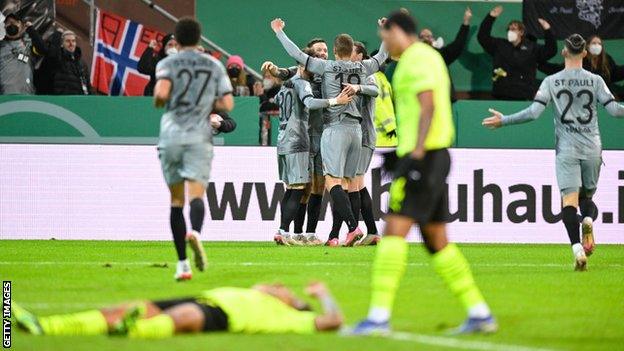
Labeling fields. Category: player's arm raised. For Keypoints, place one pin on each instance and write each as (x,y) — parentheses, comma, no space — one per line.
(374,63)
(312,64)
(332,318)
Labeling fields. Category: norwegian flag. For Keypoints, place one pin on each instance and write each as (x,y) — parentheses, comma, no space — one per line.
(119,43)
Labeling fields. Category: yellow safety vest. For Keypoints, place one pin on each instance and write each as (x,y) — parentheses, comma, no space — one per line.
(385,120)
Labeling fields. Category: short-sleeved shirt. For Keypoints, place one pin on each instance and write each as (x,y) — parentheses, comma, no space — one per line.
(334,74)
(197,81)
(420,69)
(252,311)
(575,93)
(293,134)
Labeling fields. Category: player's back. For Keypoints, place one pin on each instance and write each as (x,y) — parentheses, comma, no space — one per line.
(293,134)
(575,93)
(196,81)
(335,74)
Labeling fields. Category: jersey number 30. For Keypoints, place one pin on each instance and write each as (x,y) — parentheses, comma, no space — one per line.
(587,106)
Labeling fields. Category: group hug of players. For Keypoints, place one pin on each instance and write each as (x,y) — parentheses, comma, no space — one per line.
(192,85)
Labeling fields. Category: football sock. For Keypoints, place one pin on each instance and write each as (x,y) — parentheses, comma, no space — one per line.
(452,266)
(290,208)
(197,214)
(158,327)
(178,228)
(341,201)
(336,223)
(571,222)
(314,210)
(388,269)
(80,323)
(285,200)
(366,206)
(354,199)
(588,208)
(300,218)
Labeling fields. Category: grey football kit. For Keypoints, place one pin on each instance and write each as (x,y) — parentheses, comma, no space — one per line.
(185,141)
(369,134)
(574,93)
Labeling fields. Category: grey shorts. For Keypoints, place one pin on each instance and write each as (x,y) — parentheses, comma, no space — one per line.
(366,156)
(186,162)
(340,148)
(294,168)
(316,161)
(574,174)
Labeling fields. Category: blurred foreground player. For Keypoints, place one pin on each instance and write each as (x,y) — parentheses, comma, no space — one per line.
(265,308)
(190,85)
(574,92)
(418,193)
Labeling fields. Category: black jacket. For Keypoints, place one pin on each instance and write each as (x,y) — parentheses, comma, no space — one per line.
(69,73)
(452,51)
(228,124)
(147,65)
(519,62)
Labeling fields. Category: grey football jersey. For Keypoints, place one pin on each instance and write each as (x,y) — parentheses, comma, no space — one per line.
(369,134)
(316,116)
(197,81)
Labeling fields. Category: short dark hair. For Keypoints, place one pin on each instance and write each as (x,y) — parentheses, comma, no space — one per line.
(575,44)
(519,24)
(403,20)
(315,41)
(343,44)
(187,31)
(360,48)
(13,15)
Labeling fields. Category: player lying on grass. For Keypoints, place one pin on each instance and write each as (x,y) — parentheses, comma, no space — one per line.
(265,308)
(296,100)
(574,92)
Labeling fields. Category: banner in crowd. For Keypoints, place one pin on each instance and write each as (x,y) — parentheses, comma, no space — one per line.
(116,192)
(119,43)
(585,17)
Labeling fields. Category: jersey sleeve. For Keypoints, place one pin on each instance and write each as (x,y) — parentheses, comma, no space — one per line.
(606,98)
(370,88)
(164,71)
(224,86)
(373,64)
(541,100)
(304,91)
(543,93)
(312,64)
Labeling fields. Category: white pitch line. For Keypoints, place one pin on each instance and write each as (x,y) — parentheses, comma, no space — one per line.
(459,343)
(294,264)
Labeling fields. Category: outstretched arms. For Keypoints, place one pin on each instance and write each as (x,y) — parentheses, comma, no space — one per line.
(312,64)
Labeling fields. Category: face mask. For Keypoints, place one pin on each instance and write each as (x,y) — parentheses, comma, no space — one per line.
(595,49)
(438,43)
(233,72)
(12,30)
(171,51)
(267,83)
(512,36)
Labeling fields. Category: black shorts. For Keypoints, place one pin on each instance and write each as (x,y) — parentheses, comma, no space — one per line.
(215,318)
(424,200)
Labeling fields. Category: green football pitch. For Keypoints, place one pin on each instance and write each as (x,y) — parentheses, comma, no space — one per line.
(539,301)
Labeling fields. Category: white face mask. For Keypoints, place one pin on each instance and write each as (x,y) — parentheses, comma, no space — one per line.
(438,43)
(512,36)
(595,49)
(171,51)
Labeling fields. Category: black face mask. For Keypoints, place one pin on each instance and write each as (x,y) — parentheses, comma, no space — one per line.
(12,30)
(233,72)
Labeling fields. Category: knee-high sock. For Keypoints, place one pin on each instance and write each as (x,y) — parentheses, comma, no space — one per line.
(452,266)
(571,222)
(158,327)
(300,218)
(178,228)
(290,208)
(343,206)
(336,223)
(354,199)
(388,269)
(80,323)
(366,206)
(314,210)
(197,214)
(588,208)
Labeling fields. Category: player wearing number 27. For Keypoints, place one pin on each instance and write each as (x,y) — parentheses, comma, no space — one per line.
(190,85)
(574,92)
(341,141)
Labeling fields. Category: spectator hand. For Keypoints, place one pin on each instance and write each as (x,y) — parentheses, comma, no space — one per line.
(277,25)
(258,89)
(496,11)
(545,25)
(467,16)
(153,44)
(28,24)
(381,21)
(350,89)
(493,122)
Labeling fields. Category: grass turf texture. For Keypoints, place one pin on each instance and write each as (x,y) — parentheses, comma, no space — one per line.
(540,302)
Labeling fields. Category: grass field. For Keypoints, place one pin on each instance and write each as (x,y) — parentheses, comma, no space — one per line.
(540,302)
